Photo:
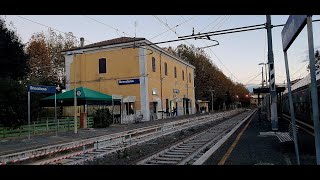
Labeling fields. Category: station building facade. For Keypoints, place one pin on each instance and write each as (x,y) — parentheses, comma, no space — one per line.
(152,83)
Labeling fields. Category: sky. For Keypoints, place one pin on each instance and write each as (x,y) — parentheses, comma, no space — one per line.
(237,54)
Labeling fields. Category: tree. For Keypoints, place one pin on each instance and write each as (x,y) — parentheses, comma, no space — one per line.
(46,61)
(102,118)
(13,68)
(317,61)
(208,77)
(13,103)
(13,59)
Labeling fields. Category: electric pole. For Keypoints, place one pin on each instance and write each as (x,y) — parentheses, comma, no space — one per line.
(272,84)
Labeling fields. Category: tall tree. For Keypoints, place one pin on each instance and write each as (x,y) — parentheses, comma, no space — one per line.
(208,77)
(13,68)
(46,61)
(13,59)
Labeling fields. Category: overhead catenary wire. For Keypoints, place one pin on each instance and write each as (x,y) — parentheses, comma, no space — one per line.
(169,28)
(185,21)
(221,22)
(220,60)
(209,23)
(252,79)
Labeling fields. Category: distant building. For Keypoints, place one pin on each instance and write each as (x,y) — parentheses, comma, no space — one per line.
(202,106)
(152,82)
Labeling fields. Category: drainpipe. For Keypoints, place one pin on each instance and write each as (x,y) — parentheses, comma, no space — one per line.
(161,86)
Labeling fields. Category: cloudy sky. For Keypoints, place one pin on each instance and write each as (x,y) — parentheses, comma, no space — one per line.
(237,55)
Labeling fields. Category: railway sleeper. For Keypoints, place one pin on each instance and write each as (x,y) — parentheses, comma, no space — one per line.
(172,156)
(167,159)
(161,162)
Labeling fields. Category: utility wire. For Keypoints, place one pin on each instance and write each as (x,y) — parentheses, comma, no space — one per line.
(49,27)
(185,21)
(210,23)
(107,25)
(252,79)
(222,20)
(169,28)
(220,61)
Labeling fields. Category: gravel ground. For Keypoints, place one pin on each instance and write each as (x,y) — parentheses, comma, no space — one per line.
(133,154)
(17,144)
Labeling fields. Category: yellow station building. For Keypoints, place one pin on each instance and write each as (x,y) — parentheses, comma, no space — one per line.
(150,81)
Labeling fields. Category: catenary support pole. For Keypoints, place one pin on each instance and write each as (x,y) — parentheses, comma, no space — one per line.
(273,93)
(314,95)
(293,120)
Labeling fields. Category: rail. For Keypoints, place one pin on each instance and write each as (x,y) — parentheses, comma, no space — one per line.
(116,138)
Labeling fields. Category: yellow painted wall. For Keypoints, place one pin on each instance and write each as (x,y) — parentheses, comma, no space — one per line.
(170,82)
(124,64)
(121,64)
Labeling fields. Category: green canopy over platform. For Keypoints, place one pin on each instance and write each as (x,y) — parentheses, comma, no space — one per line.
(84,96)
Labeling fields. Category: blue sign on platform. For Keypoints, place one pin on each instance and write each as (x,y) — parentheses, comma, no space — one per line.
(129,81)
(41,89)
(291,29)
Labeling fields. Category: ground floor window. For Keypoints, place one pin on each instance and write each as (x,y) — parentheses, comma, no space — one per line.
(129,108)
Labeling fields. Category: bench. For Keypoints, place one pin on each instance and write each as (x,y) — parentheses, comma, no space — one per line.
(284,137)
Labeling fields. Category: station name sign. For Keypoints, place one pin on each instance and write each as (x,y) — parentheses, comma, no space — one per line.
(291,29)
(41,89)
(129,81)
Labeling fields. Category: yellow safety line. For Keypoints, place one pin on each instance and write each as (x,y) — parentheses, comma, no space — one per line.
(226,156)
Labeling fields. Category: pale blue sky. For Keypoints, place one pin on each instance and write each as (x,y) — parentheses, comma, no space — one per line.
(239,52)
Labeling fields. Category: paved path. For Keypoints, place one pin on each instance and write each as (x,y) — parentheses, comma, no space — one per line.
(253,149)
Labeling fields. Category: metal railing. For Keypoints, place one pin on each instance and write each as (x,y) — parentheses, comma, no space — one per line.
(45,125)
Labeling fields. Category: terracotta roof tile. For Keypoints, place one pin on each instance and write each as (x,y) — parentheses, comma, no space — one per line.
(109,42)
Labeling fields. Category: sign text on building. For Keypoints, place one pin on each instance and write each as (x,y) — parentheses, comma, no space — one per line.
(129,81)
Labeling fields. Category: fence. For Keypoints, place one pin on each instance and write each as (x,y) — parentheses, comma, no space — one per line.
(45,125)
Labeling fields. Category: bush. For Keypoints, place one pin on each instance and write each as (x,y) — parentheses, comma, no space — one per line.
(102,118)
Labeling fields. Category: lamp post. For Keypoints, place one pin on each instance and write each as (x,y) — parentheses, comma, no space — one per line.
(75,95)
(212,91)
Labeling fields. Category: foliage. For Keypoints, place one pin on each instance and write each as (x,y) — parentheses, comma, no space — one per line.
(46,63)
(13,68)
(102,118)
(46,60)
(13,59)
(317,61)
(209,77)
(13,103)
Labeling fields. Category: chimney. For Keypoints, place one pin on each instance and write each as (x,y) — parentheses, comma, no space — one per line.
(81,42)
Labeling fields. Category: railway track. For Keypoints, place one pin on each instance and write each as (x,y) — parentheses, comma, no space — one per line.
(195,147)
(78,152)
(100,152)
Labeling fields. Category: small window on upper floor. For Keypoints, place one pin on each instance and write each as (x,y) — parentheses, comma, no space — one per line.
(165,69)
(182,75)
(153,64)
(175,72)
(190,77)
(102,65)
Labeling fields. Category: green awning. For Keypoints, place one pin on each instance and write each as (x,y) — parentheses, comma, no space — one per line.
(83,94)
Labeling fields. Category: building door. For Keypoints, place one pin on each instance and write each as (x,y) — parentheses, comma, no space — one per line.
(187,105)
(154,110)
(176,109)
